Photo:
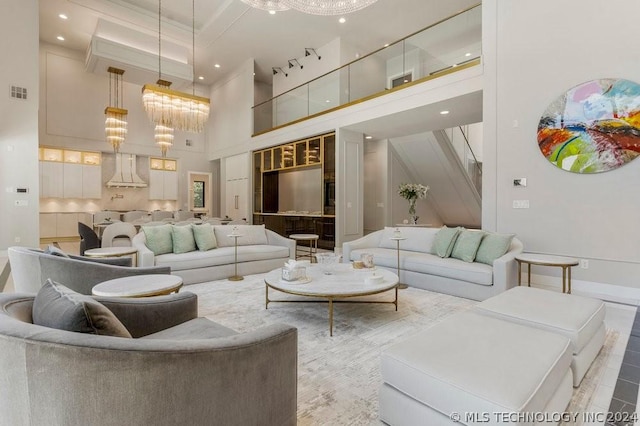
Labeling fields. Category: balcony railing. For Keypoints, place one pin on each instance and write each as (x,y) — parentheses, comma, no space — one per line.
(447,46)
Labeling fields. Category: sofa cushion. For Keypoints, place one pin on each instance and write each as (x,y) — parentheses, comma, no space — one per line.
(204,236)
(55,251)
(493,246)
(444,241)
(56,306)
(471,361)
(198,328)
(467,244)
(220,256)
(182,239)
(425,263)
(417,239)
(251,235)
(158,238)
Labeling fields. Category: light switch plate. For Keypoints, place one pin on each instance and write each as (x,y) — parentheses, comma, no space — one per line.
(520,204)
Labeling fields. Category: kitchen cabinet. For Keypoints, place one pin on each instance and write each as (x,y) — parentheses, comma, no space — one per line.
(163,179)
(70,174)
(60,225)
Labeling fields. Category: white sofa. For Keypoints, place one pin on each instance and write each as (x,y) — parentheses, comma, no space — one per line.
(259,250)
(419,268)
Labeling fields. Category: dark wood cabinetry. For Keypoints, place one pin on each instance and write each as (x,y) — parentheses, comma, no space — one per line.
(274,170)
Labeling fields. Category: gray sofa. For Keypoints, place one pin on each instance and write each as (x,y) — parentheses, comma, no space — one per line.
(419,268)
(178,369)
(31,267)
(259,250)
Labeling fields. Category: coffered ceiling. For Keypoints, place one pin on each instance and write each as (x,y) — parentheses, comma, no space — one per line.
(228,32)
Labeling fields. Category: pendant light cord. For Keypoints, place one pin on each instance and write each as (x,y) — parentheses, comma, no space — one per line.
(193,45)
(159,39)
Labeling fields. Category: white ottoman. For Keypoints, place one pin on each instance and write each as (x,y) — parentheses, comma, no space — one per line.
(473,363)
(581,319)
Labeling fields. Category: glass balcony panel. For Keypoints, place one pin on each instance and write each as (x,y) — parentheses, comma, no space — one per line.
(372,74)
(263,117)
(292,105)
(447,45)
(324,92)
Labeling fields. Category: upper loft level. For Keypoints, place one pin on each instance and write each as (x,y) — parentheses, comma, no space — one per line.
(450,45)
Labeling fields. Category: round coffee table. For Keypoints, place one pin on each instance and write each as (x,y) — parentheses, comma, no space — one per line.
(343,283)
(114,252)
(139,286)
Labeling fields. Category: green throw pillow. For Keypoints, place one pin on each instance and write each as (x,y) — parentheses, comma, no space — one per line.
(183,241)
(492,247)
(444,241)
(467,245)
(158,238)
(205,237)
(56,306)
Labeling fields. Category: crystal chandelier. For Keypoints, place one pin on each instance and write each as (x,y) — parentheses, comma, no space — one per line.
(115,125)
(270,5)
(164,138)
(327,7)
(172,108)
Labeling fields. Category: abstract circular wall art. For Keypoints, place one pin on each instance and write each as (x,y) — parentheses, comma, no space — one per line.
(594,127)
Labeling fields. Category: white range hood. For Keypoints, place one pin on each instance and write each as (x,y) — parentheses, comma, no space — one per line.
(125,175)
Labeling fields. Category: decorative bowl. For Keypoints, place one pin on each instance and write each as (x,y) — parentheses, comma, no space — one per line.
(328,262)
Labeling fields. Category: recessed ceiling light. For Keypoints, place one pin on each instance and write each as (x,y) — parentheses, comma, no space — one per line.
(445,112)
(467,54)
(368,137)
(63,16)
(217,65)
(342,20)
(386,45)
(60,38)
(327,101)
(272,12)
(200,77)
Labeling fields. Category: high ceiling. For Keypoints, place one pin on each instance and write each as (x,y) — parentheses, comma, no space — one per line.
(228,32)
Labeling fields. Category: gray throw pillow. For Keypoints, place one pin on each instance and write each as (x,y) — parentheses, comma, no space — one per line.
(204,236)
(182,237)
(493,246)
(467,245)
(444,241)
(158,238)
(56,306)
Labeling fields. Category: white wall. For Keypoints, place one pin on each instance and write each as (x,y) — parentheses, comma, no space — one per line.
(538,50)
(19,123)
(375,185)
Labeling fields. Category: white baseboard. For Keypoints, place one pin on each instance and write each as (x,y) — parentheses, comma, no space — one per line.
(607,292)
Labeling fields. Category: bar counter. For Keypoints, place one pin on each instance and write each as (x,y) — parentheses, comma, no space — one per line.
(286,224)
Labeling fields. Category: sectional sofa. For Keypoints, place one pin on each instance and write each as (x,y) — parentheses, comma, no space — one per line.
(420,268)
(259,250)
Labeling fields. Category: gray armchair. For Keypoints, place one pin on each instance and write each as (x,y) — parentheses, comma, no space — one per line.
(31,267)
(178,369)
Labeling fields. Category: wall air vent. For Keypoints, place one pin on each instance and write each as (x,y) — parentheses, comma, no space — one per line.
(19,92)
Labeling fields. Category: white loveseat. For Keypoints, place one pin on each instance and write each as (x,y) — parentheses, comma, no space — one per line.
(419,268)
(259,250)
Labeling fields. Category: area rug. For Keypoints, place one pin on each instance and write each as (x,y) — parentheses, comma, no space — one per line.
(339,376)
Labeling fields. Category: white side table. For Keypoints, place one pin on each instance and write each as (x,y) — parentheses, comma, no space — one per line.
(235,276)
(139,286)
(547,260)
(313,245)
(114,252)
(397,239)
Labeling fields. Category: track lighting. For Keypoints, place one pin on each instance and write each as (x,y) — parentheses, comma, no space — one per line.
(277,70)
(308,51)
(294,62)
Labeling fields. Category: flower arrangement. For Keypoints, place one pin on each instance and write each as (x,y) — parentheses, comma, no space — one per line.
(412,192)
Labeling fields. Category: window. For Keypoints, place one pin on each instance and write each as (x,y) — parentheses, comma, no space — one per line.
(198,194)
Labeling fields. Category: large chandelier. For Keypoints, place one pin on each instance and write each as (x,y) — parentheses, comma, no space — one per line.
(164,138)
(327,7)
(115,125)
(270,5)
(171,108)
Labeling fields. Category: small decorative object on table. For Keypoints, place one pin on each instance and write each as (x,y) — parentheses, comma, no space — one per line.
(293,271)
(328,262)
(412,192)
